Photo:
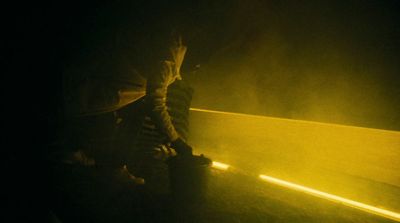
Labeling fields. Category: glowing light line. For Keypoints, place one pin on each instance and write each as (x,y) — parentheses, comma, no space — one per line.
(347,202)
(354,204)
(284,119)
(220,166)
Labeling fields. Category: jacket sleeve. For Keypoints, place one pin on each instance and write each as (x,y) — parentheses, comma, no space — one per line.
(156,97)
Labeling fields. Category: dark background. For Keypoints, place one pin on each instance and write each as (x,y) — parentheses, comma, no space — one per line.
(328,61)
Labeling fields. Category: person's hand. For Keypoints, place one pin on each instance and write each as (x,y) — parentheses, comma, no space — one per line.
(182,148)
(178,51)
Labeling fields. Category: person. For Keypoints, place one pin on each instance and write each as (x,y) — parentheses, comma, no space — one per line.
(113,76)
(98,85)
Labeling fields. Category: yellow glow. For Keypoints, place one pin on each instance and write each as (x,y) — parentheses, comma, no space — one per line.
(219,166)
(368,208)
(323,155)
(268,117)
(355,163)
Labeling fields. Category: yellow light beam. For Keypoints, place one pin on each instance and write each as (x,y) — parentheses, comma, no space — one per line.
(354,204)
(219,166)
(296,120)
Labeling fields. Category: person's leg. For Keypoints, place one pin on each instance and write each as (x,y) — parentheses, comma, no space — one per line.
(129,120)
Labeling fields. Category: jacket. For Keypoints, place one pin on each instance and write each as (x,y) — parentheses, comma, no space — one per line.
(102,88)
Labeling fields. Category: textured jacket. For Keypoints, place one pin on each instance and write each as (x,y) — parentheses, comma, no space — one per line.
(101,88)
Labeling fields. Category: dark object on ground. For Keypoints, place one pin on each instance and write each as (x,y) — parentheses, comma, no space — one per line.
(188,177)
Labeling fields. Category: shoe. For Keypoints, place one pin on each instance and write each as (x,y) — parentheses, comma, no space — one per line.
(79,158)
(123,175)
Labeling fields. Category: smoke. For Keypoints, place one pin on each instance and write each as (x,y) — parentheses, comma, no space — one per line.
(307,61)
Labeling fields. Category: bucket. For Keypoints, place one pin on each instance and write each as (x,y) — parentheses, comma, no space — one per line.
(189,177)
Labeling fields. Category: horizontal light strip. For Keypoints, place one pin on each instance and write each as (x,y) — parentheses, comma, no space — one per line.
(220,166)
(368,208)
(285,119)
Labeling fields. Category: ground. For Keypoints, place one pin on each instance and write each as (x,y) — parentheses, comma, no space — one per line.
(231,196)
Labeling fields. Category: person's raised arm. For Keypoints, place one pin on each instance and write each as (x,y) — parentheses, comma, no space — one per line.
(157,88)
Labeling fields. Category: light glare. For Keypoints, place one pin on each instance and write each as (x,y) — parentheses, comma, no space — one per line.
(368,208)
(220,166)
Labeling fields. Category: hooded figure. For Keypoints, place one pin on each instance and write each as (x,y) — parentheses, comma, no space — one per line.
(108,83)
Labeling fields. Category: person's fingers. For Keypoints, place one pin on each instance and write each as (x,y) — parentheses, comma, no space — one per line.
(178,52)
(179,56)
(180,41)
(177,41)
